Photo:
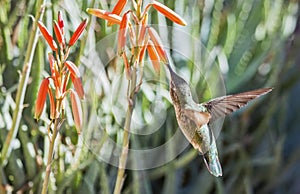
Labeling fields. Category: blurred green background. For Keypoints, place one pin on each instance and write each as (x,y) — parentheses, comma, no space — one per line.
(254,43)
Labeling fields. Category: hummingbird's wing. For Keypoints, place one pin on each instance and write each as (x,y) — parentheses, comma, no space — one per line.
(222,106)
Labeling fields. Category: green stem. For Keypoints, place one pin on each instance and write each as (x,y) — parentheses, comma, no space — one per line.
(22,85)
(133,88)
(50,156)
(125,147)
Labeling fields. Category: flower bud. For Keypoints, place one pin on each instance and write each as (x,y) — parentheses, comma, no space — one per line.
(110,17)
(41,98)
(78,32)
(76,110)
(58,33)
(153,56)
(47,36)
(169,13)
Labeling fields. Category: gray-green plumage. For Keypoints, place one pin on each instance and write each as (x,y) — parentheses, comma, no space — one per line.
(193,119)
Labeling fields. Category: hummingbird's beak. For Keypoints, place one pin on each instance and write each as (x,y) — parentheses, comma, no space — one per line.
(172,73)
(170,69)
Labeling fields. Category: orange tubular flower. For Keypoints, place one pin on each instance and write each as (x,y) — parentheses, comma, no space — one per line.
(54,70)
(127,67)
(153,56)
(123,32)
(65,83)
(113,18)
(143,30)
(52,104)
(41,98)
(142,51)
(72,68)
(58,33)
(169,13)
(78,86)
(61,23)
(78,32)
(47,36)
(118,9)
(158,45)
(76,110)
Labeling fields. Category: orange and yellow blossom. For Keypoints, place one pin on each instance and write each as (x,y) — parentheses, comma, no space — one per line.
(61,72)
(154,46)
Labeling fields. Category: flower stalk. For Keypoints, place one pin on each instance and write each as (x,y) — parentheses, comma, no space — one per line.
(61,71)
(125,146)
(50,156)
(142,38)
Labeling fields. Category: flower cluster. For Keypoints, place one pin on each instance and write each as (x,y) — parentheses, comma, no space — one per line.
(61,72)
(145,39)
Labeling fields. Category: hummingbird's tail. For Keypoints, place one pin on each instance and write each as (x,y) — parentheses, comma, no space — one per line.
(209,150)
(212,163)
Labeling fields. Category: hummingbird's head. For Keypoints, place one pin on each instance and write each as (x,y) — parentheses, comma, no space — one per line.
(179,89)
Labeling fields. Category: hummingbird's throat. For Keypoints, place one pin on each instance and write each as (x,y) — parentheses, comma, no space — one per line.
(174,96)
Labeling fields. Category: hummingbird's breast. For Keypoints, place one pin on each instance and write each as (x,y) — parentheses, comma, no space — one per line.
(189,128)
(186,124)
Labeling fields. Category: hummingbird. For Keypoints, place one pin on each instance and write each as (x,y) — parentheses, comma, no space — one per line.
(194,119)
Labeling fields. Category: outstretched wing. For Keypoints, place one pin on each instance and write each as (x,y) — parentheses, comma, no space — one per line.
(225,105)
